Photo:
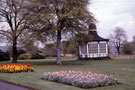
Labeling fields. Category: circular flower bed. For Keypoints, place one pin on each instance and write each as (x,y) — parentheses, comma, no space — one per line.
(15,68)
(80,79)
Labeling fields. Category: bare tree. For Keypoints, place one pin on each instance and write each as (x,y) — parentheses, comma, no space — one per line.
(118,38)
(15,20)
(133,38)
(134,42)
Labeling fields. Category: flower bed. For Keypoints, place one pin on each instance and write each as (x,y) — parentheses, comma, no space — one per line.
(15,68)
(80,79)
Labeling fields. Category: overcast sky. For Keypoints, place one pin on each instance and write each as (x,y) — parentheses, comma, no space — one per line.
(114,13)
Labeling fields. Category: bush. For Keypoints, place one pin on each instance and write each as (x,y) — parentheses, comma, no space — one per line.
(38,56)
(128,48)
(25,56)
(4,56)
(20,51)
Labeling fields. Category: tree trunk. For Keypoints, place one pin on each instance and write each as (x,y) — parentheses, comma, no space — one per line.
(14,51)
(78,53)
(118,50)
(64,52)
(59,47)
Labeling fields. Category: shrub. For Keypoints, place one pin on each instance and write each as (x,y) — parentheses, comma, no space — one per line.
(80,79)
(25,56)
(38,56)
(20,51)
(128,48)
(4,56)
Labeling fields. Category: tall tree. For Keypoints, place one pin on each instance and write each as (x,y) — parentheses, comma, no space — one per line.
(64,17)
(134,39)
(134,42)
(65,45)
(50,50)
(15,20)
(27,42)
(118,38)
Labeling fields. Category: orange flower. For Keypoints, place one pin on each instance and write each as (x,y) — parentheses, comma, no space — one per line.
(15,68)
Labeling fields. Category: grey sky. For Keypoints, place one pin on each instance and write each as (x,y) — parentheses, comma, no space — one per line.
(113,13)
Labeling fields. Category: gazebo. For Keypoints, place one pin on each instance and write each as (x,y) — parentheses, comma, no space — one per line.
(96,47)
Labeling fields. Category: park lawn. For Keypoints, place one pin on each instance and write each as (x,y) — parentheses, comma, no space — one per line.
(123,70)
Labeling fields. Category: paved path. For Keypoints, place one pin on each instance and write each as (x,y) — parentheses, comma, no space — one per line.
(9,86)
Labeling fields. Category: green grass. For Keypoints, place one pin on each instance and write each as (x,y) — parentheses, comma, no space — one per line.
(123,70)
